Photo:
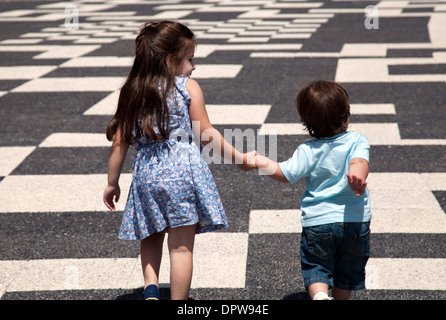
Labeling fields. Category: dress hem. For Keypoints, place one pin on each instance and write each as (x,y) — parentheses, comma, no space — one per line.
(204,229)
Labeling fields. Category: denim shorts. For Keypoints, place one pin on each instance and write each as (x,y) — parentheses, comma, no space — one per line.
(336,254)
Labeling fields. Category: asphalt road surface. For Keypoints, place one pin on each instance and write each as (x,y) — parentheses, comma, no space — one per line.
(62,65)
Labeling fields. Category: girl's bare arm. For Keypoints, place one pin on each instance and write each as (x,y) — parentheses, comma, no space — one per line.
(208,134)
(270,168)
(118,153)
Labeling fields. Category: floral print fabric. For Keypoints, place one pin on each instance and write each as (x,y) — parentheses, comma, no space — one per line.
(171,185)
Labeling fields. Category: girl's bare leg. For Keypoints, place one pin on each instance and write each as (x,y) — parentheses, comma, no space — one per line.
(181,243)
(151,249)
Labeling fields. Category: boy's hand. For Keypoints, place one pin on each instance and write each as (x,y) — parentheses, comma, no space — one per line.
(248,161)
(356,184)
(111,192)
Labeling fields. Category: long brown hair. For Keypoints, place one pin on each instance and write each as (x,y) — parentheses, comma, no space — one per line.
(159,49)
(323,107)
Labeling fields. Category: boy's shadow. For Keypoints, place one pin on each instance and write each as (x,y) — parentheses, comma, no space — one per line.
(297,296)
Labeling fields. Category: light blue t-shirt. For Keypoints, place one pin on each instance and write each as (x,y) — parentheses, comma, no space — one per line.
(324,163)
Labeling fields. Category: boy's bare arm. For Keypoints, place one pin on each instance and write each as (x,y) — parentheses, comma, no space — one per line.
(358,172)
(270,168)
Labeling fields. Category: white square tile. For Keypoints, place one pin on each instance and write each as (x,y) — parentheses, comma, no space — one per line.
(62,139)
(68,274)
(58,193)
(275,221)
(209,71)
(11,157)
(403,199)
(24,72)
(106,106)
(71,84)
(406,274)
(283,129)
(407,220)
(219,261)
(64,52)
(264,14)
(378,133)
(401,190)
(435,181)
(372,108)
(96,40)
(237,114)
(83,62)
(397,181)
(21,41)
(171,14)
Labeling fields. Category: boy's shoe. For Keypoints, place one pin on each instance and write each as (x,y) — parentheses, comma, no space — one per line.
(321,296)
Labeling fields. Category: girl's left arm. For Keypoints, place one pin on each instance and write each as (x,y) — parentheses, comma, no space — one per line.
(118,153)
(270,168)
(208,134)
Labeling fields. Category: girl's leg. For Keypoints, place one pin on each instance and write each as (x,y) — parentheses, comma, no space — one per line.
(181,243)
(151,251)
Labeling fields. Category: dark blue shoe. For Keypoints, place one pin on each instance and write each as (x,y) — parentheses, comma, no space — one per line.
(151,292)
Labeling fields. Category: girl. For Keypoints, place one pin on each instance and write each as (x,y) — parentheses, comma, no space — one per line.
(172,187)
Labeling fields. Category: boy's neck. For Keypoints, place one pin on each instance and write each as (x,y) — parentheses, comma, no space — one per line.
(342,129)
(339,131)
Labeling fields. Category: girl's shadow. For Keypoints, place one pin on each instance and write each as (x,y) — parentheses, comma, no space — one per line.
(136,294)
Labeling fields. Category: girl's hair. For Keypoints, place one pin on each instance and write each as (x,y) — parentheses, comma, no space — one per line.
(159,49)
(323,107)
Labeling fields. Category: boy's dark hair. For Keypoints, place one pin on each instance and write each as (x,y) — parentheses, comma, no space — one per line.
(323,107)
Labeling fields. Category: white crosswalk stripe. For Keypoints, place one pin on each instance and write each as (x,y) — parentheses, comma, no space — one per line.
(241,44)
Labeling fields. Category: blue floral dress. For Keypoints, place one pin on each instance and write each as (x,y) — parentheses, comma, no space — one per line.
(172,185)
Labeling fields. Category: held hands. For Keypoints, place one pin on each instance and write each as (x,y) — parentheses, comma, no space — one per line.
(111,192)
(248,161)
(356,184)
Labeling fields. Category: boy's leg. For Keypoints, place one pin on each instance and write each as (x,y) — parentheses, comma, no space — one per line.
(181,243)
(151,249)
(317,259)
(353,254)
(315,290)
(340,294)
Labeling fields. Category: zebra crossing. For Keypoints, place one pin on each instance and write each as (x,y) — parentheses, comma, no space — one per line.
(62,65)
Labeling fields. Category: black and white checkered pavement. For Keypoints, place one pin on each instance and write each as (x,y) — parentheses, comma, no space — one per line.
(62,65)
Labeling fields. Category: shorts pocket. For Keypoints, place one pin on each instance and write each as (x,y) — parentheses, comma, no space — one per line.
(320,243)
(361,244)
